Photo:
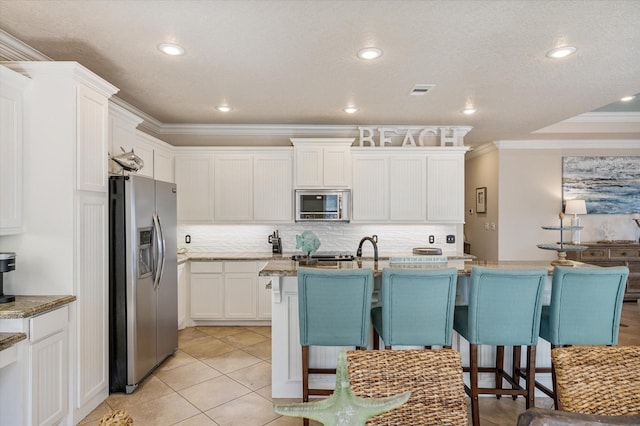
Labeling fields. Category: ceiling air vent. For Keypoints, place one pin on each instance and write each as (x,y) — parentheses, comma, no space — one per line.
(421,89)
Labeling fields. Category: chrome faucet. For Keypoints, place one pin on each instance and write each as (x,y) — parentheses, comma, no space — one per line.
(374,242)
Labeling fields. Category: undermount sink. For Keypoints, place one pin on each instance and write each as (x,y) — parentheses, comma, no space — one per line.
(430,251)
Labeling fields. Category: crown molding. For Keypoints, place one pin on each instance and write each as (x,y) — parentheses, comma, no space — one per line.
(481,150)
(12,49)
(568,144)
(605,117)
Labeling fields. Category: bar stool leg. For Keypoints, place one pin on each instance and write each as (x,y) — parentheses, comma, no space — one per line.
(516,371)
(499,368)
(473,378)
(376,339)
(531,376)
(305,379)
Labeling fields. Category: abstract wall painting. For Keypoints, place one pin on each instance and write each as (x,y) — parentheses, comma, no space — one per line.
(609,185)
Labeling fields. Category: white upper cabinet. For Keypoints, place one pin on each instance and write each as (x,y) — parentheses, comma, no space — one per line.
(92,139)
(322,162)
(445,188)
(233,188)
(194,178)
(406,185)
(273,187)
(122,133)
(370,192)
(157,155)
(12,86)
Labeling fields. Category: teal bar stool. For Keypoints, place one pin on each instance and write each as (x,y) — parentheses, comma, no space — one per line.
(333,309)
(585,309)
(416,307)
(504,310)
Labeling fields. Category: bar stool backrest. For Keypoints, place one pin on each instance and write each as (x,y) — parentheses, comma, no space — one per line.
(334,305)
(586,304)
(505,305)
(418,306)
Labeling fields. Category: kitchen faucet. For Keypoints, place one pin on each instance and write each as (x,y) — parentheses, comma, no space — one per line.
(374,242)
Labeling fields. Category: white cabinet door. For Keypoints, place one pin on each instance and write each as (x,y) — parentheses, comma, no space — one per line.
(370,193)
(11,103)
(322,162)
(91,140)
(194,177)
(264,297)
(207,292)
(407,184)
(183,292)
(233,190)
(240,295)
(240,282)
(309,167)
(445,189)
(122,133)
(336,165)
(163,165)
(273,188)
(48,384)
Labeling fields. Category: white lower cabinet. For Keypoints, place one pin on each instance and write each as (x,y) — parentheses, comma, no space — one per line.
(227,291)
(183,293)
(35,387)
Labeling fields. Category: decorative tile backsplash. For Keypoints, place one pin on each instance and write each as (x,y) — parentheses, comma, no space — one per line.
(392,239)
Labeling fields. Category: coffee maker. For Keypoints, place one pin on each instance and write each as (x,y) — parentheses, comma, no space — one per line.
(7,264)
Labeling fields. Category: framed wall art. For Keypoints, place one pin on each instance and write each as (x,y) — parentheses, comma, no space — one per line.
(481,200)
(609,185)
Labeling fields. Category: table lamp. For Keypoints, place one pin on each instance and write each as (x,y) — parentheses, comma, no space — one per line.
(575,207)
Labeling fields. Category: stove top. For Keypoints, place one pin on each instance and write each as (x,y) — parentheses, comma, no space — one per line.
(328,255)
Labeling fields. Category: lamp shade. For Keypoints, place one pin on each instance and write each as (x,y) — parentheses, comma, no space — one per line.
(575,207)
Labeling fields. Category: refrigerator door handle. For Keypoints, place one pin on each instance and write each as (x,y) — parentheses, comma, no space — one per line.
(160,251)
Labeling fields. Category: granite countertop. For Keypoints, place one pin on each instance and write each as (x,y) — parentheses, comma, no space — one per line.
(9,339)
(289,268)
(268,256)
(29,306)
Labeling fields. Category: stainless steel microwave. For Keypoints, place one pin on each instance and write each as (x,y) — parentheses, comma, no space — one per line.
(323,205)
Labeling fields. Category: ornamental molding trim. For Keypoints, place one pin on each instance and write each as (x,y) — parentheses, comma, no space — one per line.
(568,144)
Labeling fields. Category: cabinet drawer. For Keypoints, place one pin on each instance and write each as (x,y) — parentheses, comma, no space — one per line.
(206,267)
(47,324)
(595,254)
(240,267)
(625,253)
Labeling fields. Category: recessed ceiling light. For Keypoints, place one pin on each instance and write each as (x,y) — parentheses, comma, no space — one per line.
(369,53)
(224,108)
(171,49)
(628,98)
(469,110)
(351,110)
(561,52)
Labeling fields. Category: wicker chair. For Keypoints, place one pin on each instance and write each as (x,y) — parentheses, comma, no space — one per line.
(434,378)
(600,380)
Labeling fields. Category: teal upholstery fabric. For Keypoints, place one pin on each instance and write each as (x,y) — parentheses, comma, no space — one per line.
(417,306)
(334,306)
(585,308)
(504,307)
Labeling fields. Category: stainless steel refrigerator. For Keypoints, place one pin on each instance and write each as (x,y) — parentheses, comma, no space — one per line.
(143,281)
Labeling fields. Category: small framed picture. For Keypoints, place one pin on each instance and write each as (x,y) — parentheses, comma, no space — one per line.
(481,200)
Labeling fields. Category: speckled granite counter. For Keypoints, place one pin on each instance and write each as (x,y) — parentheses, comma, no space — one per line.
(289,268)
(268,256)
(10,339)
(29,306)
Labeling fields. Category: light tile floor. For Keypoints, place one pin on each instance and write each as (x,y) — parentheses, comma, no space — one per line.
(222,376)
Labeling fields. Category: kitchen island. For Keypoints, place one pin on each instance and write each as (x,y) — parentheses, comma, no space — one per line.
(286,350)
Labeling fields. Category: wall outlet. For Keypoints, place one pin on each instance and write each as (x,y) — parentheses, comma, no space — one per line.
(432,239)
(187,239)
(451,239)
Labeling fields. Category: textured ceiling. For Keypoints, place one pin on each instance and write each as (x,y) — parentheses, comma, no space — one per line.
(294,62)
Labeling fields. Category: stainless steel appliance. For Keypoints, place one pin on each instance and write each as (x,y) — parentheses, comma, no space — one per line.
(323,205)
(326,256)
(143,287)
(7,264)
